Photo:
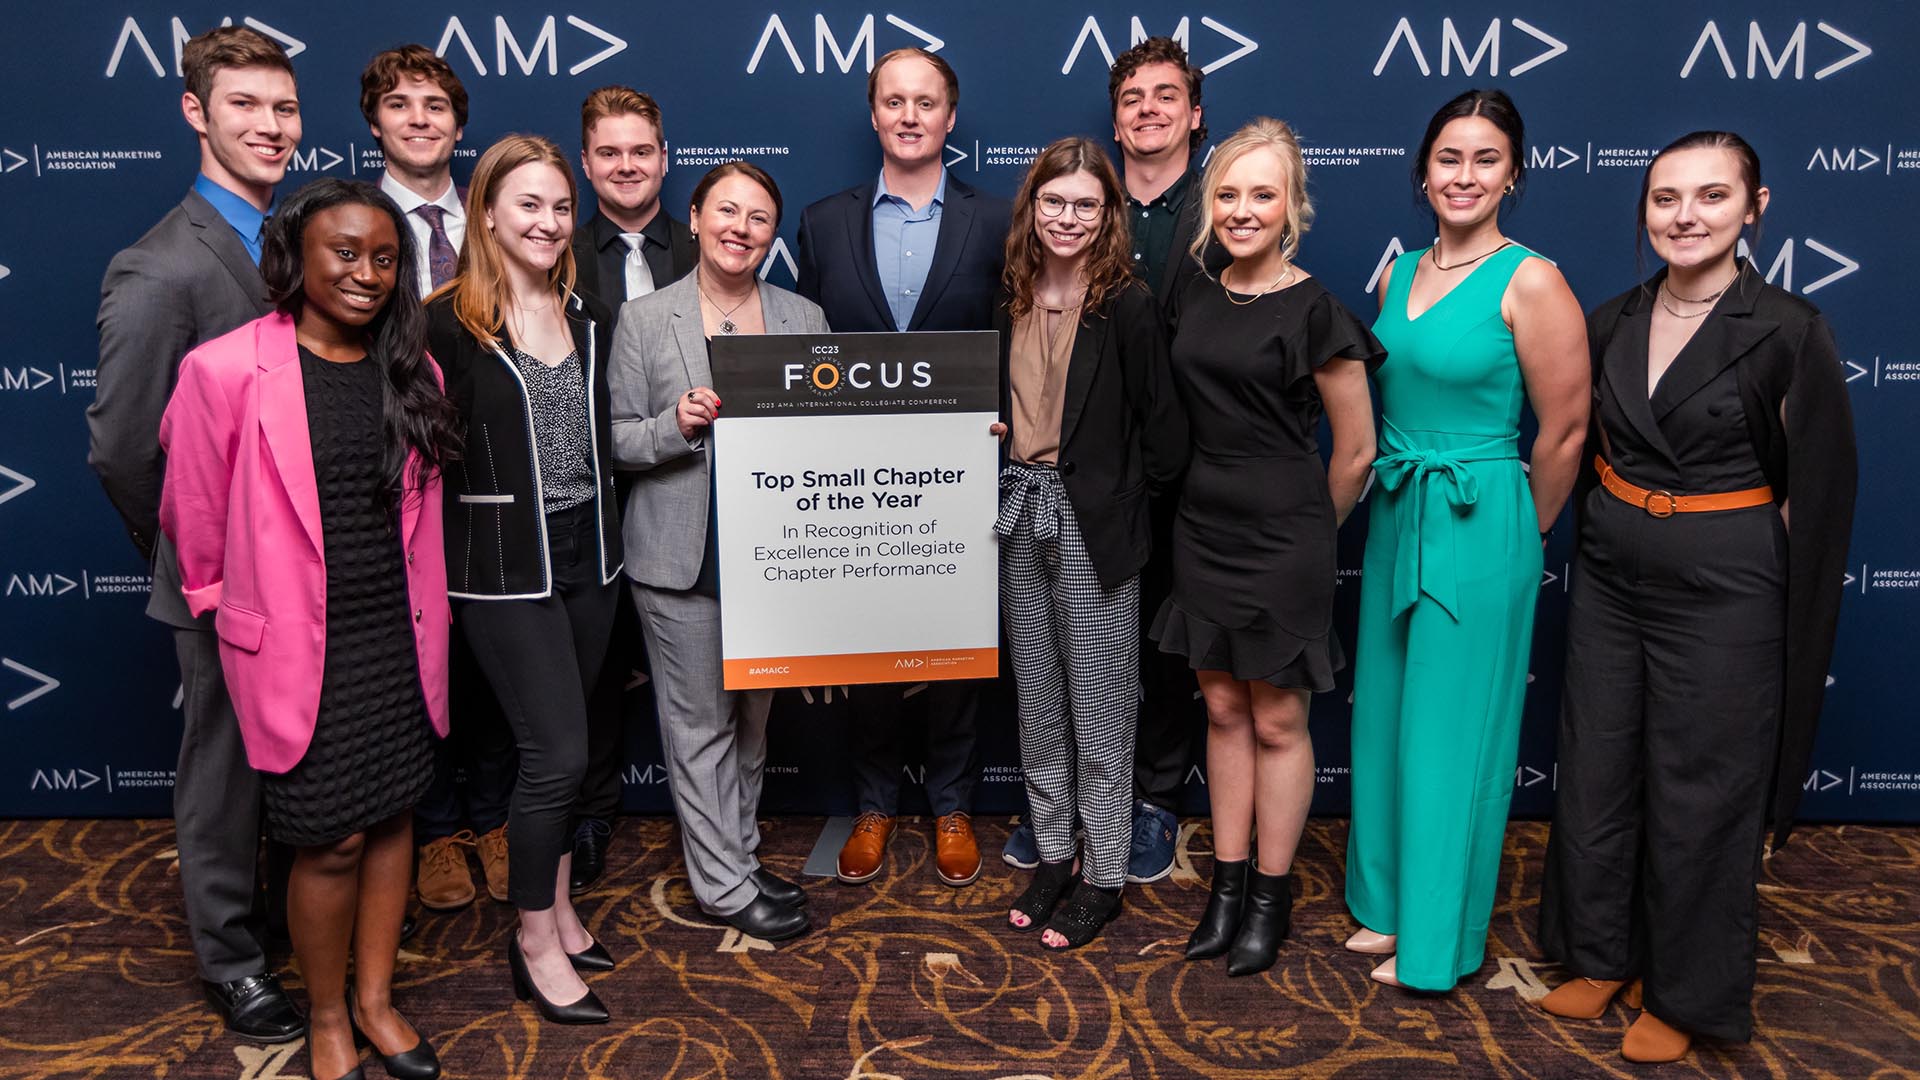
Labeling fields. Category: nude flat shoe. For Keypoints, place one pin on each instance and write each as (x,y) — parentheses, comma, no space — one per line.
(1651,1039)
(1587,999)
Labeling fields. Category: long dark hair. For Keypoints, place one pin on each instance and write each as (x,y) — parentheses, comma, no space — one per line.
(415,415)
(1109,264)
(1497,109)
(1743,153)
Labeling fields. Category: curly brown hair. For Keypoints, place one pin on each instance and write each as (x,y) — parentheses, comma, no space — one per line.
(1158,50)
(1109,265)
(385,70)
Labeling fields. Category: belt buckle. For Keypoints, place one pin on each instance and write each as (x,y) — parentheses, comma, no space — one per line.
(1673,504)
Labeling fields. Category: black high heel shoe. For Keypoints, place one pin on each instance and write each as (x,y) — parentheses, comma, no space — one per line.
(587,1010)
(591,959)
(419,1063)
(1268,919)
(1226,901)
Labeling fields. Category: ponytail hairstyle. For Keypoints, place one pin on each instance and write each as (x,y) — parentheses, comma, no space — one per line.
(415,415)
(1743,154)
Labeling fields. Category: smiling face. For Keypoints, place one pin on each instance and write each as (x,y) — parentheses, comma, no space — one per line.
(911,112)
(248,126)
(1697,203)
(350,259)
(1156,116)
(624,163)
(1250,205)
(735,227)
(1070,194)
(416,125)
(1468,171)
(531,216)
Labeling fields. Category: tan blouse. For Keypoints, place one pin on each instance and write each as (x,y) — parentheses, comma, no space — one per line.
(1037,368)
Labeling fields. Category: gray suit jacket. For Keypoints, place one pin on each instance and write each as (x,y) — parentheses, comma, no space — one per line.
(660,353)
(187,281)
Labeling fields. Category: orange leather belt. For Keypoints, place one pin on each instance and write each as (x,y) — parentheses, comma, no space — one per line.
(1663,504)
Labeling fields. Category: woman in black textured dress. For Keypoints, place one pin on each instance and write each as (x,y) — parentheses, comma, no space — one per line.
(339,372)
(1258,354)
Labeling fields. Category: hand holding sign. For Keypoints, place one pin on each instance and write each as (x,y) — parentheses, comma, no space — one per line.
(698,407)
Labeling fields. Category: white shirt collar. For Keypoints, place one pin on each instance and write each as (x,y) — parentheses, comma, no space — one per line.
(408,200)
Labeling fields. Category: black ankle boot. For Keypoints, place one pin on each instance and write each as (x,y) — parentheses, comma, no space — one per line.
(1268,917)
(1225,901)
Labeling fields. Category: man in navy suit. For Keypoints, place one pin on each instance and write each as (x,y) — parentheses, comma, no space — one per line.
(913,249)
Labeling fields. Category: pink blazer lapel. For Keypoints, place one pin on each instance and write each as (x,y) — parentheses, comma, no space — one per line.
(283,419)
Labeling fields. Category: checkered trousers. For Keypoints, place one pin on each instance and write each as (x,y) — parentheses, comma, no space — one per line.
(1076,656)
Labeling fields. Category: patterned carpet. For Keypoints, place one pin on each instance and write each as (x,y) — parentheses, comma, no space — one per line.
(911,980)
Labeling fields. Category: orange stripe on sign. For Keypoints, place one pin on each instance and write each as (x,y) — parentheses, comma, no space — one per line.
(847,668)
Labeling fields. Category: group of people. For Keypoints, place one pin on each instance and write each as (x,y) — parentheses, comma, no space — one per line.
(391,450)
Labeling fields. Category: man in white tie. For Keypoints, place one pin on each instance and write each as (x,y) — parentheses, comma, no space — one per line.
(630,246)
(627,249)
(417,108)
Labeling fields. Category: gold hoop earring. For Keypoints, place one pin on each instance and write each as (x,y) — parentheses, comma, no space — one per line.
(1423,187)
(1509,189)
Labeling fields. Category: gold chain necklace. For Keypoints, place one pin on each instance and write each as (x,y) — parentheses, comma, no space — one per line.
(1666,291)
(1286,276)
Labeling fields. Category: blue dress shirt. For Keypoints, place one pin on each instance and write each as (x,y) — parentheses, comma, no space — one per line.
(903,242)
(246,218)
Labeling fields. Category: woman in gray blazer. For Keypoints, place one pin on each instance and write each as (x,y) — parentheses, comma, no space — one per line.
(663,406)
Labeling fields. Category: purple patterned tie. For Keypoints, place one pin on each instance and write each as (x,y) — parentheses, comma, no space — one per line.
(442,261)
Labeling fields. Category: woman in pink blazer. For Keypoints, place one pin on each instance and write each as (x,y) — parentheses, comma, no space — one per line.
(304,454)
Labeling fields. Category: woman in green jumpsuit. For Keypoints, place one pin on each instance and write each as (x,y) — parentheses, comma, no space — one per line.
(1476,324)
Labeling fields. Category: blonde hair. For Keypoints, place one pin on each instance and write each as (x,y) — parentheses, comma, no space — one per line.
(480,290)
(1261,133)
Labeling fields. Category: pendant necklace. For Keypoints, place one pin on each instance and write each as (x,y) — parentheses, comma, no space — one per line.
(727,325)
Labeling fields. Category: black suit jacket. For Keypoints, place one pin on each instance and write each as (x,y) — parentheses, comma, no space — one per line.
(187,281)
(496,528)
(837,270)
(681,256)
(1123,434)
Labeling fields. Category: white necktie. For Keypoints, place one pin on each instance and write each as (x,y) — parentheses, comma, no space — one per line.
(639,274)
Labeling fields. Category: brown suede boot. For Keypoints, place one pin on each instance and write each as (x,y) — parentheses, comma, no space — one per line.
(1651,1039)
(1587,999)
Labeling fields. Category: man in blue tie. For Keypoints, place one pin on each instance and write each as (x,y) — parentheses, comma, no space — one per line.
(192,278)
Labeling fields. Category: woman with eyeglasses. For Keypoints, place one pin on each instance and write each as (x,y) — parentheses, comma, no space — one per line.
(1259,354)
(1092,424)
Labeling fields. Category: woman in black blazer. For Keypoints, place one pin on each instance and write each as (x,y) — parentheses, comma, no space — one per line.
(1092,424)
(1704,604)
(533,535)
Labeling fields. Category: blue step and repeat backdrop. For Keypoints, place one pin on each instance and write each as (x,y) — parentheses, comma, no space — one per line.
(93,151)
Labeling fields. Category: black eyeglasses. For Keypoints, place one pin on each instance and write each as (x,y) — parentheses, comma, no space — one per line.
(1052,206)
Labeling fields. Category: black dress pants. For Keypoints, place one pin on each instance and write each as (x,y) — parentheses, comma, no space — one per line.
(542,656)
(1668,729)
(879,745)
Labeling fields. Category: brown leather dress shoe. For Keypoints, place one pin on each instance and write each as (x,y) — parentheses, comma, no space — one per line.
(956,852)
(445,883)
(493,861)
(1651,1039)
(866,850)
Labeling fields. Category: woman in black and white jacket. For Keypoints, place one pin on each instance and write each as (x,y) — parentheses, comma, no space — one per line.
(533,537)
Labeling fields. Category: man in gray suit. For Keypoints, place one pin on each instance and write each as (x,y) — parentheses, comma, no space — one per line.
(194,277)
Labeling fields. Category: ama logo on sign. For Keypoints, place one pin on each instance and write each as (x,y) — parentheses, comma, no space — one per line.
(132,34)
(860,48)
(1760,54)
(1454,47)
(1237,44)
(546,42)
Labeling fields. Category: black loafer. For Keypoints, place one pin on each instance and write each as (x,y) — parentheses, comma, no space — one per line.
(768,919)
(256,1009)
(590,841)
(774,887)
